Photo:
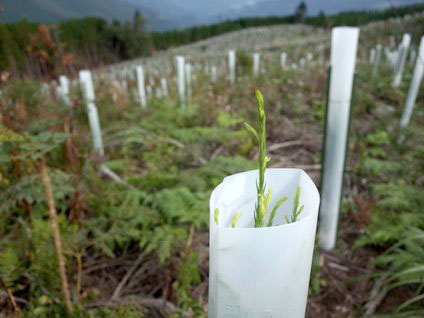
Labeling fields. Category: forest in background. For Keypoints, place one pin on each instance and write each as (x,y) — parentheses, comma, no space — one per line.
(46,51)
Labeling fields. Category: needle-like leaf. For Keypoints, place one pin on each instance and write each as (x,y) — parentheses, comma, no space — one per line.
(274,210)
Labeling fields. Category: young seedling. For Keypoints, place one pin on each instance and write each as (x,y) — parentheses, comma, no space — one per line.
(263,199)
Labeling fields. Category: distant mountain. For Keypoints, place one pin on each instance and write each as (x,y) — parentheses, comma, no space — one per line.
(167,13)
(261,8)
(171,14)
(250,8)
(55,10)
(58,10)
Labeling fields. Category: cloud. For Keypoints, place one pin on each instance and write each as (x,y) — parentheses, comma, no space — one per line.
(245,4)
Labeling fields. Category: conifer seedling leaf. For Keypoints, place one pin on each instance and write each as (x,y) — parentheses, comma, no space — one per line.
(216,216)
(252,131)
(274,210)
(235,219)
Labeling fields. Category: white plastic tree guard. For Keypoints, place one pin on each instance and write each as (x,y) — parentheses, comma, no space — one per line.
(149,91)
(164,85)
(261,272)
(45,89)
(392,42)
(181,79)
(93,116)
(141,86)
(232,66)
(189,79)
(283,60)
(414,86)
(392,58)
(372,56)
(256,64)
(64,89)
(389,57)
(412,56)
(344,43)
(309,58)
(402,55)
(214,74)
(377,60)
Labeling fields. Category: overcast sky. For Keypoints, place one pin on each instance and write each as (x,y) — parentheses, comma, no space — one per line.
(216,6)
(195,12)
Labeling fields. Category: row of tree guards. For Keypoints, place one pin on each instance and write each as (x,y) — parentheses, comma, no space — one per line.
(274,283)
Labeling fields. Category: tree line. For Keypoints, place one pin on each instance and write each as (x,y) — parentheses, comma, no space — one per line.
(44,51)
(167,39)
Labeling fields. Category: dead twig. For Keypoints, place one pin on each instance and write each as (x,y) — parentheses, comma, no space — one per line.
(159,303)
(124,280)
(217,152)
(79,275)
(285,144)
(11,299)
(376,296)
(283,164)
(281,145)
(338,267)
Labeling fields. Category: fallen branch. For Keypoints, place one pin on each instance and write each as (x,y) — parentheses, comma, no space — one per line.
(112,175)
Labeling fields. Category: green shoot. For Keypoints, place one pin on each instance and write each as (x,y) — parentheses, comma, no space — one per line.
(296,209)
(216,216)
(263,200)
(274,210)
(235,219)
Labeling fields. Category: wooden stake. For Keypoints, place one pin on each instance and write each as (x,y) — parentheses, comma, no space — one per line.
(56,234)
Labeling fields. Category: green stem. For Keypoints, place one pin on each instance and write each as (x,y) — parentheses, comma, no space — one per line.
(260,210)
